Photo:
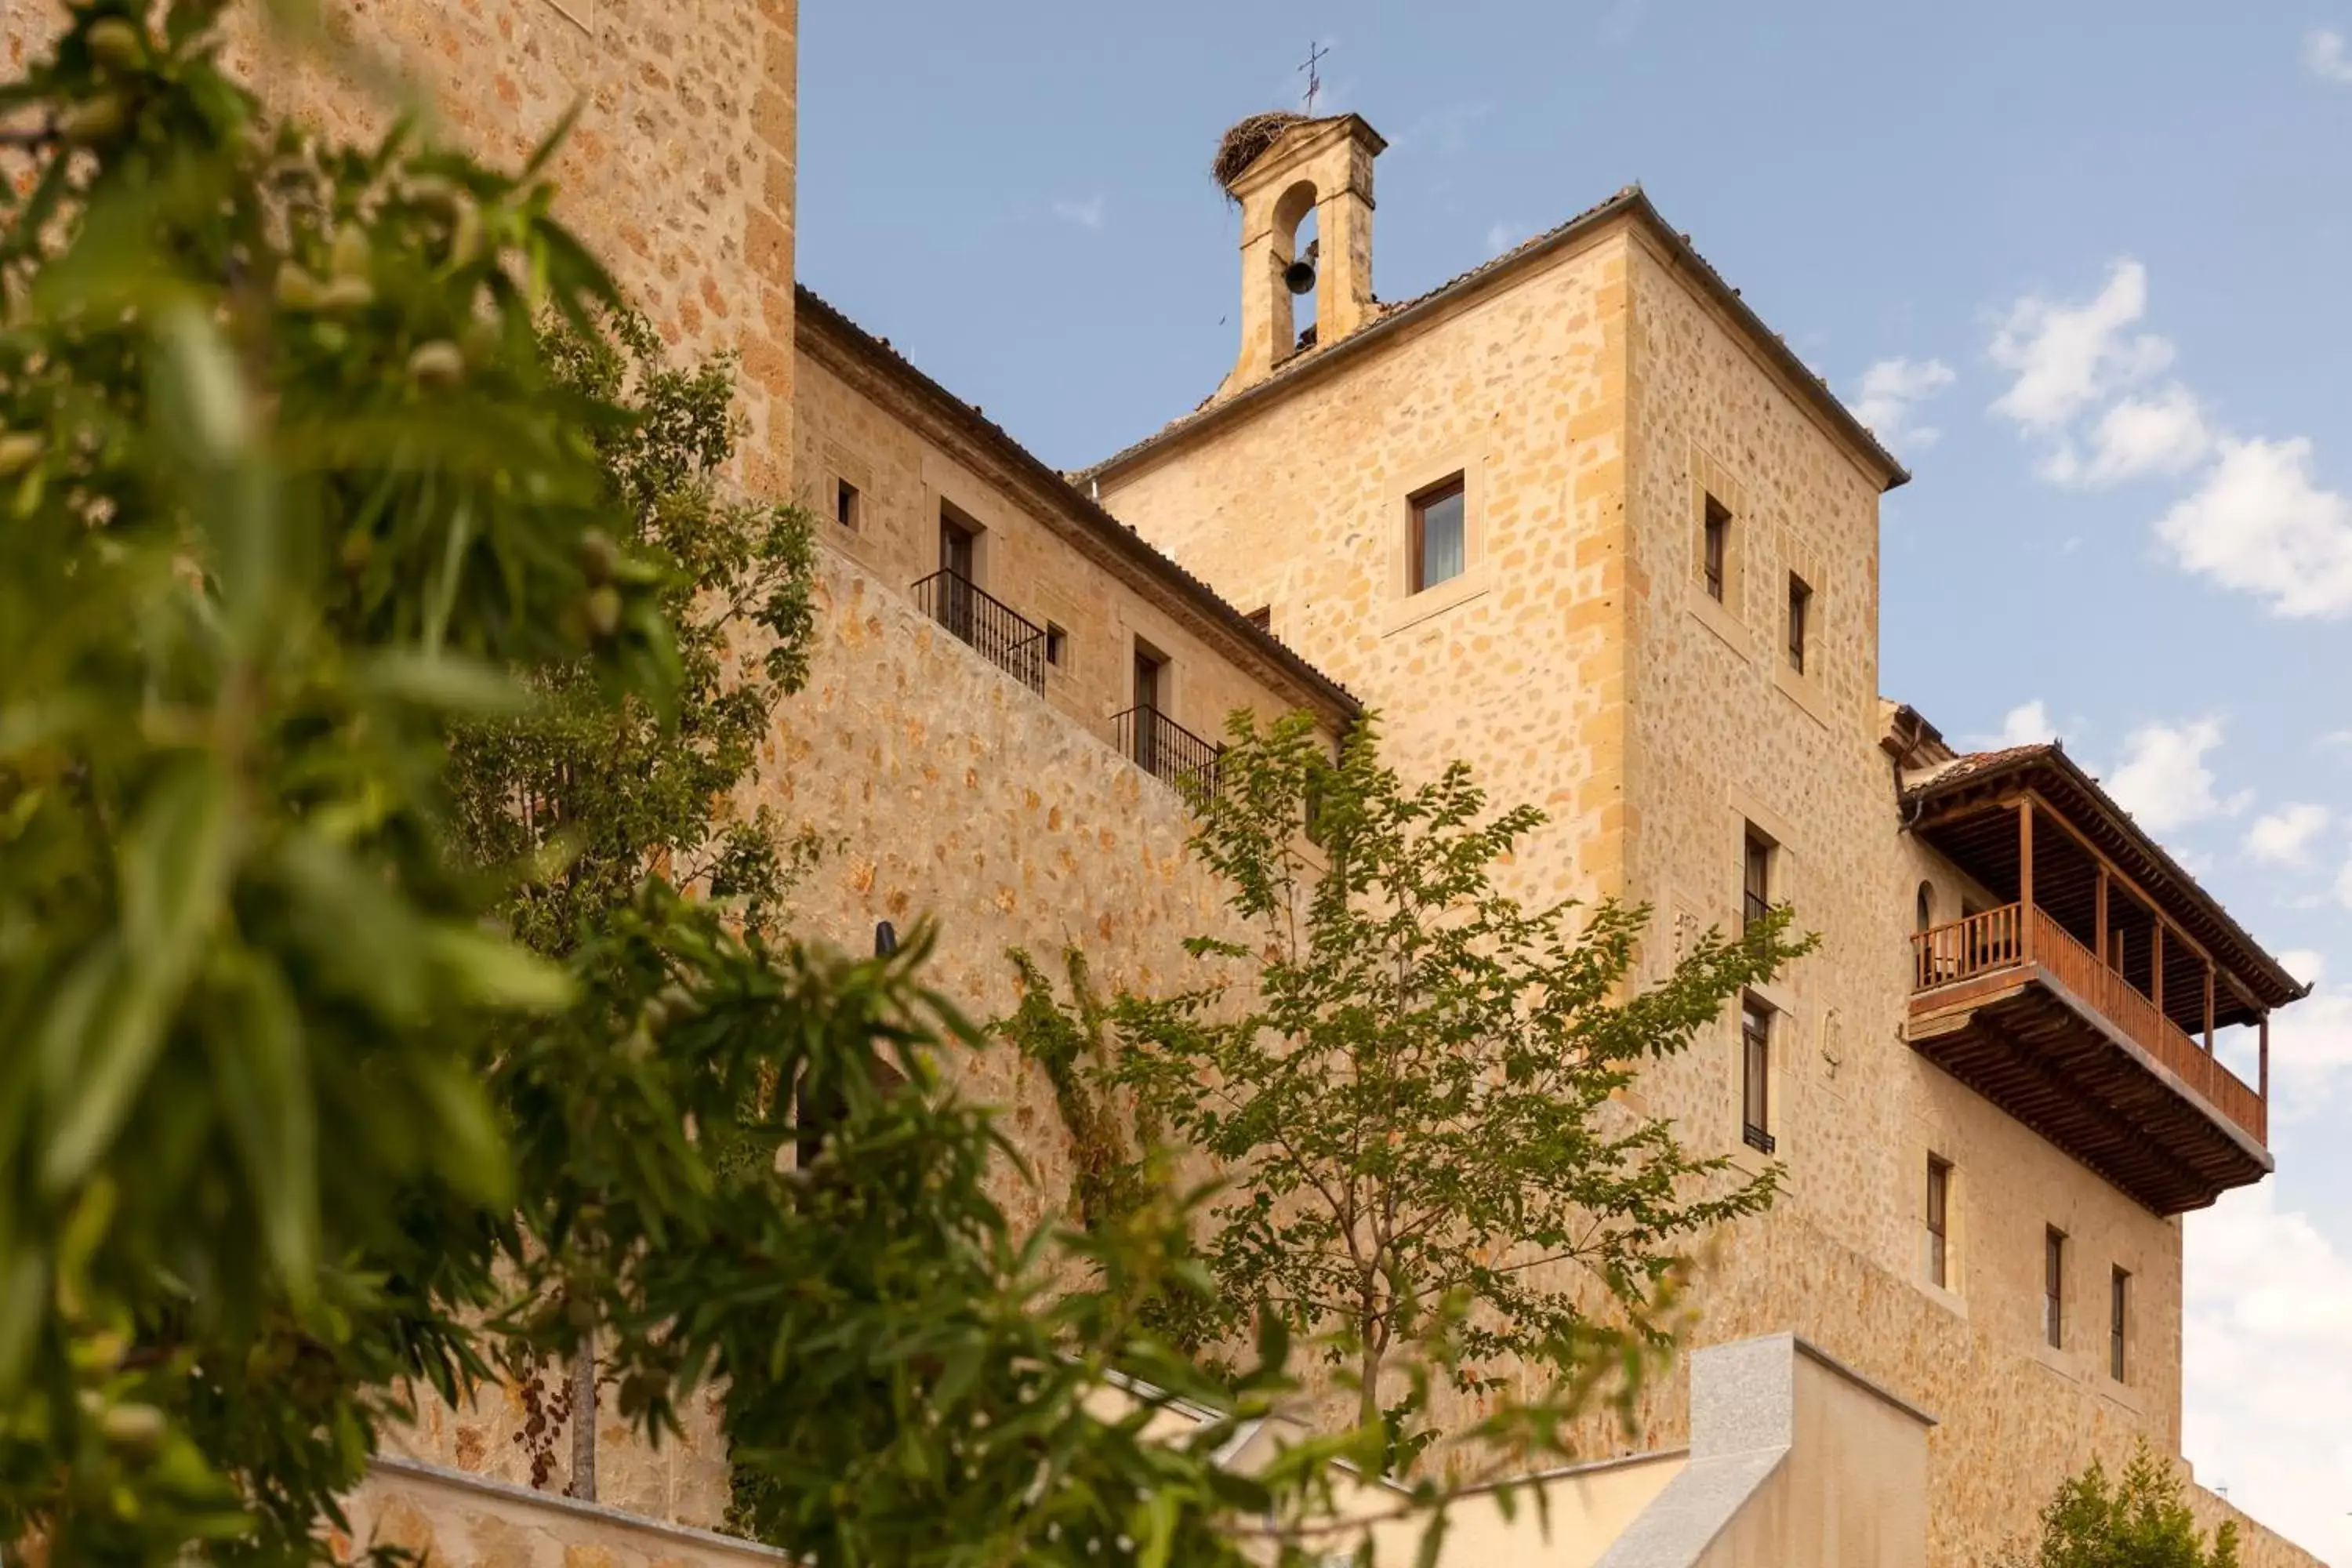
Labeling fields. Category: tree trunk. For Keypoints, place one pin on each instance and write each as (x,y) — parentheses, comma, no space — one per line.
(583,1422)
(1367,1408)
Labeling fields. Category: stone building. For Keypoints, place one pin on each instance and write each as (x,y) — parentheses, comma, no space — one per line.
(1577,517)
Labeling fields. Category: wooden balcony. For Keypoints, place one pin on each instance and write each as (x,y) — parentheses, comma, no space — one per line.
(2009,1003)
(2087,1005)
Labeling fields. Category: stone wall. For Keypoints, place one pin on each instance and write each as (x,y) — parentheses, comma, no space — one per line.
(678,171)
(455,1520)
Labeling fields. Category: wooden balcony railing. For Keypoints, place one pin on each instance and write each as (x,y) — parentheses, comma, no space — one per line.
(1984,944)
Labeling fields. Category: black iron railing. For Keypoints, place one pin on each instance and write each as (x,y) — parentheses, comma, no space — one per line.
(1166,750)
(996,631)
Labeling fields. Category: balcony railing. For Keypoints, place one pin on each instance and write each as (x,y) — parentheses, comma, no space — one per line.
(995,630)
(1985,943)
(1166,751)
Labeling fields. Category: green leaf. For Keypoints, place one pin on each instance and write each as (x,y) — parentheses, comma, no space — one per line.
(445,683)
(493,971)
(176,864)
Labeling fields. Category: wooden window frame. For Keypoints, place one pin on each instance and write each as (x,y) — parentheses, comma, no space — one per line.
(2054,1287)
(847,504)
(1756,851)
(2118,1321)
(1714,549)
(1756,1075)
(1939,1222)
(1800,606)
(1057,644)
(1456,484)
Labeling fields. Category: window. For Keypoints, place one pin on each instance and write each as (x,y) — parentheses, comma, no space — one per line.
(1715,547)
(1756,1075)
(2054,1287)
(1150,692)
(1057,644)
(1756,880)
(845,503)
(956,605)
(1440,543)
(2118,1306)
(1262,617)
(1939,1216)
(1800,607)
(1924,911)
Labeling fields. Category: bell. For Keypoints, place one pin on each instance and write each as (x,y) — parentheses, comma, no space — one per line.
(1299,277)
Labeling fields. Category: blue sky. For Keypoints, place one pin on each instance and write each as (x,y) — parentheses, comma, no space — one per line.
(2085,265)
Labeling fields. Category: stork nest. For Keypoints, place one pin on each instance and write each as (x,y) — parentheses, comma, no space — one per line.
(1248,141)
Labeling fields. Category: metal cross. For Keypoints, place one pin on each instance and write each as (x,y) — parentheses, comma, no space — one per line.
(1315,52)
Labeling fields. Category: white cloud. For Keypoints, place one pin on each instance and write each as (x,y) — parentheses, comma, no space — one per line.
(1885,396)
(2266,1353)
(2164,433)
(2026,724)
(2067,357)
(2284,837)
(1086,213)
(2259,524)
(1501,236)
(2164,781)
(2326,56)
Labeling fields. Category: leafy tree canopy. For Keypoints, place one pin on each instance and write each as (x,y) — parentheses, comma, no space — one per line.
(2138,1521)
(1412,1079)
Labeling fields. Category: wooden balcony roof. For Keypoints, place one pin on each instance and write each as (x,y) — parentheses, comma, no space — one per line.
(1958,809)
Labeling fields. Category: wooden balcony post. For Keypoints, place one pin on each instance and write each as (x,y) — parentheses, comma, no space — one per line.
(2208,1006)
(2265,1085)
(2099,919)
(2155,961)
(2025,878)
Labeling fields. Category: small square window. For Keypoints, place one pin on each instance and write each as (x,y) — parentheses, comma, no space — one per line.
(1439,538)
(1715,548)
(1263,618)
(1057,645)
(846,507)
(1800,609)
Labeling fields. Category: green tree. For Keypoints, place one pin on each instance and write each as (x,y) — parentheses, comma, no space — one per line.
(594,792)
(1412,1077)
(2139,1522)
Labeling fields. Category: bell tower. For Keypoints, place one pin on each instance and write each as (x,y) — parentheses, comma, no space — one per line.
(1322,167)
